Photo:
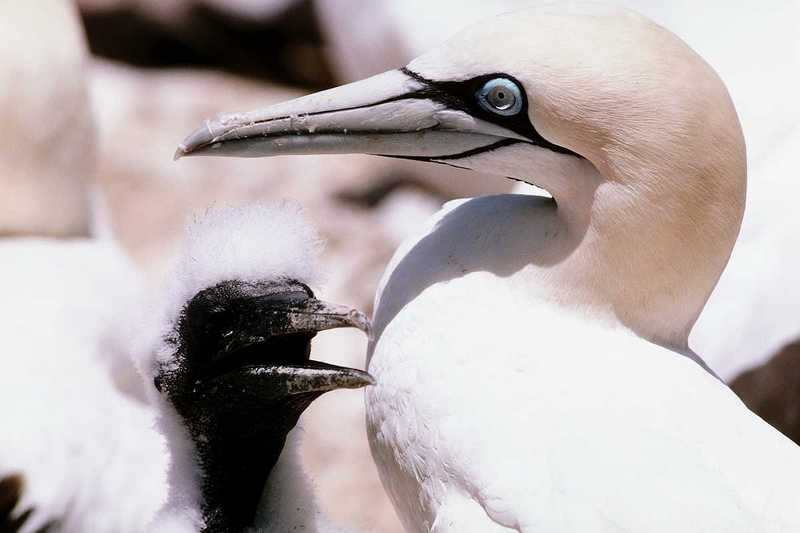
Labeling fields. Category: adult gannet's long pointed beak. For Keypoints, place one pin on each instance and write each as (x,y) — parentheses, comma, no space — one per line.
(395,114)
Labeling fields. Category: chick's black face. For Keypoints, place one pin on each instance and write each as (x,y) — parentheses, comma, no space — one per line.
(240,378)
(234,326)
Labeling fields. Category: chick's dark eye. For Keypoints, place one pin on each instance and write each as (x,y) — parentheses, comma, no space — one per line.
(500,96)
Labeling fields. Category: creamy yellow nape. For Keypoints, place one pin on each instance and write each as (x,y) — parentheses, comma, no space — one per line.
(654,213)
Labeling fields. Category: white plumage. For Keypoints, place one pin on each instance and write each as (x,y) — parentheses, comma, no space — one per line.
(76,431)
(75,428)
(541,420)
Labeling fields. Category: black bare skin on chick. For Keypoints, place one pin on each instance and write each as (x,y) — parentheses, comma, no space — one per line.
(239,429)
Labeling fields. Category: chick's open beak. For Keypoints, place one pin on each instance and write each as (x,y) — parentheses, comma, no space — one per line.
(268,354)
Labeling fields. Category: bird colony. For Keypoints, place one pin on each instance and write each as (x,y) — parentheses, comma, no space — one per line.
(549,359)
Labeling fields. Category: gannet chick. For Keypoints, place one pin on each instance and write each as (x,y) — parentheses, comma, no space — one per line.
(531,353)
(233,373)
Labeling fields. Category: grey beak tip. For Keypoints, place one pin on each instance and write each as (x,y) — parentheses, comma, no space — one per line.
(199,139)
(180,152)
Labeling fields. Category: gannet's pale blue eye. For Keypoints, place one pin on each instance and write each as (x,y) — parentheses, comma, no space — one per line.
(501,96)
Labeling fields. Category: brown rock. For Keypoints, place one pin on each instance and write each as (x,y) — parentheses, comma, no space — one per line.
(278,40)
(772,390)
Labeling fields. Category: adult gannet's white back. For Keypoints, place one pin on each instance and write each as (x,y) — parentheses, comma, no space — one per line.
(532,354)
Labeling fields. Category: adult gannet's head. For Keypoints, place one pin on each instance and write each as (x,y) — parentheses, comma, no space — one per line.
(630,130)
(530,94)
(233,371)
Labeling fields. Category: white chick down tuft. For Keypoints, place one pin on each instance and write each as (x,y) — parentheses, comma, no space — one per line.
(254,242)
(265,241)
(248,243)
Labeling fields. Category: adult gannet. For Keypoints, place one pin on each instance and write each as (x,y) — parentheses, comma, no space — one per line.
(229,350)
(532,354)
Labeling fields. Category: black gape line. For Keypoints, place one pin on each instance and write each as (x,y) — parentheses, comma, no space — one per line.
(459,95)
(462,95)
(443,159)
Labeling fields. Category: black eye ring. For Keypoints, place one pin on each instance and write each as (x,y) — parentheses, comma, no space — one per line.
(500,96)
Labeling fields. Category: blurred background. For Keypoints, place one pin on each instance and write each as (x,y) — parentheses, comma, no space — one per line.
(95,95)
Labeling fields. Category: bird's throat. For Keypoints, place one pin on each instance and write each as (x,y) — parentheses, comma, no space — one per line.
(237,449)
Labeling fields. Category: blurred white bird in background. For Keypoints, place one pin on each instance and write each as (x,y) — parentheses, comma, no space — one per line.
(78,452)
(366,37)
(531,355)
(77,434)
(46,153)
